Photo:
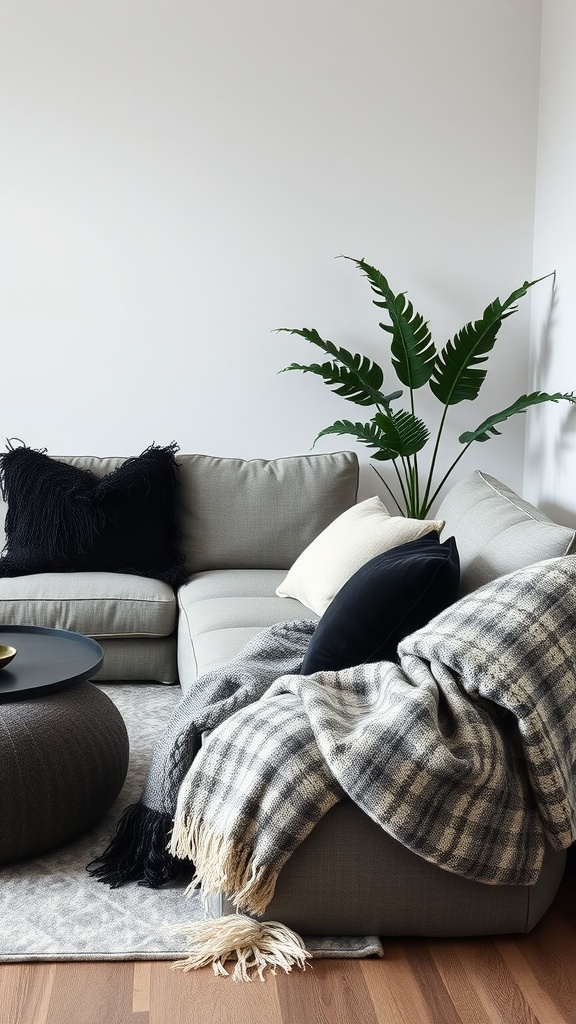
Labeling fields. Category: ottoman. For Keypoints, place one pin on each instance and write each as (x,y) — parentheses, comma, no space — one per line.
(63,761)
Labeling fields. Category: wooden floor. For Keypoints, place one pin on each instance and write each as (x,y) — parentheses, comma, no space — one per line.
(528,979)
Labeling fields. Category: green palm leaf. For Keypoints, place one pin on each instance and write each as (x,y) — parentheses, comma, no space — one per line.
(393,436)
(488,427)
(412,349)
(350,375)
(456,377)
(367,433)
(402,433)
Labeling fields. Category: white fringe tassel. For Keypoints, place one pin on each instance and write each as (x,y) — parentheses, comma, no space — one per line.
(223,866)
(257,946)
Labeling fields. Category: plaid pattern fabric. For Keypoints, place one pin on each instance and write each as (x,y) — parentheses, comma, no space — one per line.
(266,750)
(464,752)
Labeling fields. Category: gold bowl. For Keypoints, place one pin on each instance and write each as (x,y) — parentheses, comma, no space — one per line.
(6,655)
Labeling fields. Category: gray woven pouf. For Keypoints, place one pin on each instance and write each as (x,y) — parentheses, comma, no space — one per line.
(63,761)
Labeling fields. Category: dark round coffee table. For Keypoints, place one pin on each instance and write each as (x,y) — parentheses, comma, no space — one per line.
(63,742)
(46,660)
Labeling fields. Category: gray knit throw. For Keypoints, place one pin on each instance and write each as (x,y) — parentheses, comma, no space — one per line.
(138,850)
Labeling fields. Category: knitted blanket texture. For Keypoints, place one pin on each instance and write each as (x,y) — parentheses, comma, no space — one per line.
(138,850)
(464,751)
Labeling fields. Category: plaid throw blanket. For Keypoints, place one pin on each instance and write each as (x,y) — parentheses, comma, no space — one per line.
(464,751)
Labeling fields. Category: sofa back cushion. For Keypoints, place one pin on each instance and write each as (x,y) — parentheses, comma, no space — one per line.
(256,514)
(259,514)
(498,532)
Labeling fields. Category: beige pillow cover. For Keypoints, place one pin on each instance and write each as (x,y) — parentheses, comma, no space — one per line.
(359,534)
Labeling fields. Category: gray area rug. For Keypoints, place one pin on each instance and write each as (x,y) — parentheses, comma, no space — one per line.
(51,909)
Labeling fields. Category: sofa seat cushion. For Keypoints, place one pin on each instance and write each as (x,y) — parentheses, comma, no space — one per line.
(99,604)
(221,610)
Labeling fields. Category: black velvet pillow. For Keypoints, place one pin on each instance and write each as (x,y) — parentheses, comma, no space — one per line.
(392,595)
(64,519)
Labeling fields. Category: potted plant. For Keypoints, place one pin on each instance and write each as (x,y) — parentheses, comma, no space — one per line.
(453,374)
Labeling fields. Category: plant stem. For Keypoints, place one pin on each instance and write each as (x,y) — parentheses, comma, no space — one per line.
(415,490)
(390,492)
(425,508)
(416,495)
(409,484)
(425,502)
(402,487)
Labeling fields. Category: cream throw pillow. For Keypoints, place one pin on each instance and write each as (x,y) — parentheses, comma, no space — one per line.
(359,534)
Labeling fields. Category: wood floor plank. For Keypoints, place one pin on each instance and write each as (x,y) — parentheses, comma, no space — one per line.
(430,981)
(502,999)
(93,993)
(141,987)
(550,952)
(178,997)
(323,995)
(25,992)
(464,996)
(388,1009)
(537,996)
(394,989)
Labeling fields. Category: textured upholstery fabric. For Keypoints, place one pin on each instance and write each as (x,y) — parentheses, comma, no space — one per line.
(63,761)
(347,543)
(233,513)
(389,597)
(497,531)
(259,514)
(221,610)
(139,659)
(349,877)
(99,604)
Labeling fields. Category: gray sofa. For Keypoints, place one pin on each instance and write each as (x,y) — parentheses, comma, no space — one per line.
(242,525)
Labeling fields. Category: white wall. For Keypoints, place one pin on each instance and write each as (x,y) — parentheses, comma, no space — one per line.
(551,445)
(177,177)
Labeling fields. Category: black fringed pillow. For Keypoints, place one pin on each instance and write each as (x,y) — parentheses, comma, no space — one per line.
(64,519)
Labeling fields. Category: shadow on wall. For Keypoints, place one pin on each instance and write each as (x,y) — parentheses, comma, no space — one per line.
(563,454)
(544,348)
(540,372)
(552,443)
(563,516)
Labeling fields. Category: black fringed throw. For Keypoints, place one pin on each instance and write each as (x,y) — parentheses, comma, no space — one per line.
(138,850)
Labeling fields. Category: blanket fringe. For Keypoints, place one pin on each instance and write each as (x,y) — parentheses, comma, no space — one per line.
(138,851)
(257,946)
(223,866)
